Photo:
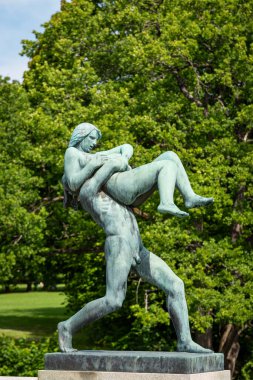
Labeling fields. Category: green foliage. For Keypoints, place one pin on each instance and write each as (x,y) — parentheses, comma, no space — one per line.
(24,357)
(22,226)
(247,371)
(149,330)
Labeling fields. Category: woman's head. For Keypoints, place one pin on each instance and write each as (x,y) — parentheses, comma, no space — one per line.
(85,134)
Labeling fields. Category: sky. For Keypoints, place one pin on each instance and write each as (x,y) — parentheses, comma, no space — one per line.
(18,18)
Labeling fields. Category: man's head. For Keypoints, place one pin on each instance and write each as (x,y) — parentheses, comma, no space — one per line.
(85,136)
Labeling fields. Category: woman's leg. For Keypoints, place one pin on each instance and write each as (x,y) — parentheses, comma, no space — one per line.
(135,186)
(183,184)
(128,186)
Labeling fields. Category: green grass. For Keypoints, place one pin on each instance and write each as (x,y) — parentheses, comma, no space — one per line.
(33,314)
(36,314)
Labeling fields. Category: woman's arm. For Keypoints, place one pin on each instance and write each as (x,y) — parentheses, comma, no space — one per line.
(74,174)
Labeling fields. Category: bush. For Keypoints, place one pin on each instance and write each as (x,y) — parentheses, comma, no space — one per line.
(24,357)
(247,371)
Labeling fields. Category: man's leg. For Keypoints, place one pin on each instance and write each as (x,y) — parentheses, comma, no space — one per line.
(155,271)
(118,263)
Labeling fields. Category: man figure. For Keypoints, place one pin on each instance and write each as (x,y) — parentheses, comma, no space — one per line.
(123,246)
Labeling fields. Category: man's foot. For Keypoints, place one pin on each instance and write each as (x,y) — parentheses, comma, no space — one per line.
(198,201)
(65,338)
(193,348)
(171,208)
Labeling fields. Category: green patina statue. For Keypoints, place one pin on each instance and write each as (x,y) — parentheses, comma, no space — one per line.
(107,188)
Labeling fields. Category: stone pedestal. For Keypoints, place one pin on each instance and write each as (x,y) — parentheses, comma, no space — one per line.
(134,361)
(83,375)
(133,365)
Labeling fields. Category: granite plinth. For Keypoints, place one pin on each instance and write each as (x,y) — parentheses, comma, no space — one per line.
(135,361)
(77,375)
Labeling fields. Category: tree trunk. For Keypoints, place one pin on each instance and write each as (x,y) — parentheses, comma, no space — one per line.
(205,339)
(229,345)
(28,286)
(7,289)
(232,356)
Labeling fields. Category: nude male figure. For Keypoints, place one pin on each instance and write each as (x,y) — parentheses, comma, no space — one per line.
(123,246)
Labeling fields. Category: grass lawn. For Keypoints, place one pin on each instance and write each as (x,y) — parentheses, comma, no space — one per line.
(36,314)
(32,314)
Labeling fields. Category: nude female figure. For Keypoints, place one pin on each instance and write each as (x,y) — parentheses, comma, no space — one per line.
(129,187)
(94,178)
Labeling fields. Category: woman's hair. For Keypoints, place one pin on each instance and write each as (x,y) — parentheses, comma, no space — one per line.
(81,131)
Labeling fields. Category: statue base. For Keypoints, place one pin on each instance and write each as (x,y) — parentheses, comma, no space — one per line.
(135,361)
(86,375)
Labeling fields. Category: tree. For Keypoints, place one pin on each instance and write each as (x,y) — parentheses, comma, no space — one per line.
(162,75)
(22,226)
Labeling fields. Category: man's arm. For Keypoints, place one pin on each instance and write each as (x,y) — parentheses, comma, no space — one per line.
(75,176)
(94,185)
(126,150)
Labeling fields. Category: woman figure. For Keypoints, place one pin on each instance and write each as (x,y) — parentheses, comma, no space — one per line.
(130,187)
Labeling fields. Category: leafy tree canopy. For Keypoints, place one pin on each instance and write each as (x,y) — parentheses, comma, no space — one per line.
(22,226)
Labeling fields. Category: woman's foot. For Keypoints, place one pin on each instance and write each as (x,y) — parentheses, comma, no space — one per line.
(193,348)
(171,208)
(65,338)
(198,201)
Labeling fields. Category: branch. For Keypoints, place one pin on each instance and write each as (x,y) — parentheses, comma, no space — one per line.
(79,251)
(181,82)
(140,213)
(237,227)
(184,90)
(17,240)
(48,200)
(246,137)
(137,291)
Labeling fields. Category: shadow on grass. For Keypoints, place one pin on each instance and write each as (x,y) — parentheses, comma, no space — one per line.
(39,322)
